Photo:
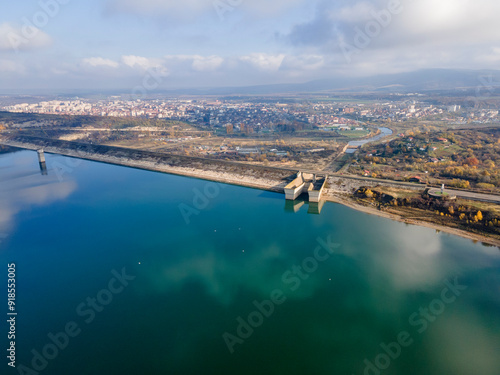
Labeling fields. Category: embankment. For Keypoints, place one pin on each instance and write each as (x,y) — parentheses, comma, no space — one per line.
(267,178)
(262,177)
(339,188)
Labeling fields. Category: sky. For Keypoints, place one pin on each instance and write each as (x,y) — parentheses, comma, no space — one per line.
(165,44)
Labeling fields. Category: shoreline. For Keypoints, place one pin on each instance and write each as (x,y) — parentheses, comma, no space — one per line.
(396,217)
(261,183)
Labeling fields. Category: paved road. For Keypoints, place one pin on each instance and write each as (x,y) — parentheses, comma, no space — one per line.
(470,195)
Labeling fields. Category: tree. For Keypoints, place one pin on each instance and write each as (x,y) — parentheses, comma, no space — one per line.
(463,184)
(485,186)
(472,161)
(479,215)
(489,164)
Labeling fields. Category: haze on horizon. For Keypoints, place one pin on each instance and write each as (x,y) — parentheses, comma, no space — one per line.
(114,44)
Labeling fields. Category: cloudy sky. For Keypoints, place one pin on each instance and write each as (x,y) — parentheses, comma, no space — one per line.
(115,44)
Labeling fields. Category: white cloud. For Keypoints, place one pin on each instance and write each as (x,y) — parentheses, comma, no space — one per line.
(271,8)
(193,8)
(264,61)
(100,62)
(195,63)
(161,66)
(421,34)
(492,58)
(303,62)
(156,7)
(17,38)
(146,64)
(208,63)
(299,41)
(357,12)
(139,62)
(457,23)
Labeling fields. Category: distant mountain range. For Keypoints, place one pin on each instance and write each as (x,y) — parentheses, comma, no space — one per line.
(439,81)
(418,81)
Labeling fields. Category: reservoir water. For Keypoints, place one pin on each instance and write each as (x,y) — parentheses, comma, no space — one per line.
(125,271)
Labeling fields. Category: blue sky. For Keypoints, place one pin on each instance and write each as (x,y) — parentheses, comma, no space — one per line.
(113,44)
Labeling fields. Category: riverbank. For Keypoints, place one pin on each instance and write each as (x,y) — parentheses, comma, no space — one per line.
(263,178)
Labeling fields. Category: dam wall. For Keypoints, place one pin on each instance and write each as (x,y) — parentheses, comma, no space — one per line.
(261,177)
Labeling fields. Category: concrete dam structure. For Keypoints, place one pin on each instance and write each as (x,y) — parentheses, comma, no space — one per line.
(41,156)
(41,162)
(306,183)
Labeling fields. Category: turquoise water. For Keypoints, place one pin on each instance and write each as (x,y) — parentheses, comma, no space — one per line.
(190,272)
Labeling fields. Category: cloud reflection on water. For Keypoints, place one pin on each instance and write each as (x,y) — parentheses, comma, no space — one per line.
(409,259)
(23,186)
(223,276)
(463,337)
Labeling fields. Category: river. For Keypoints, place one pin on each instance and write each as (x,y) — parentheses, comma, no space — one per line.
(383,133)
